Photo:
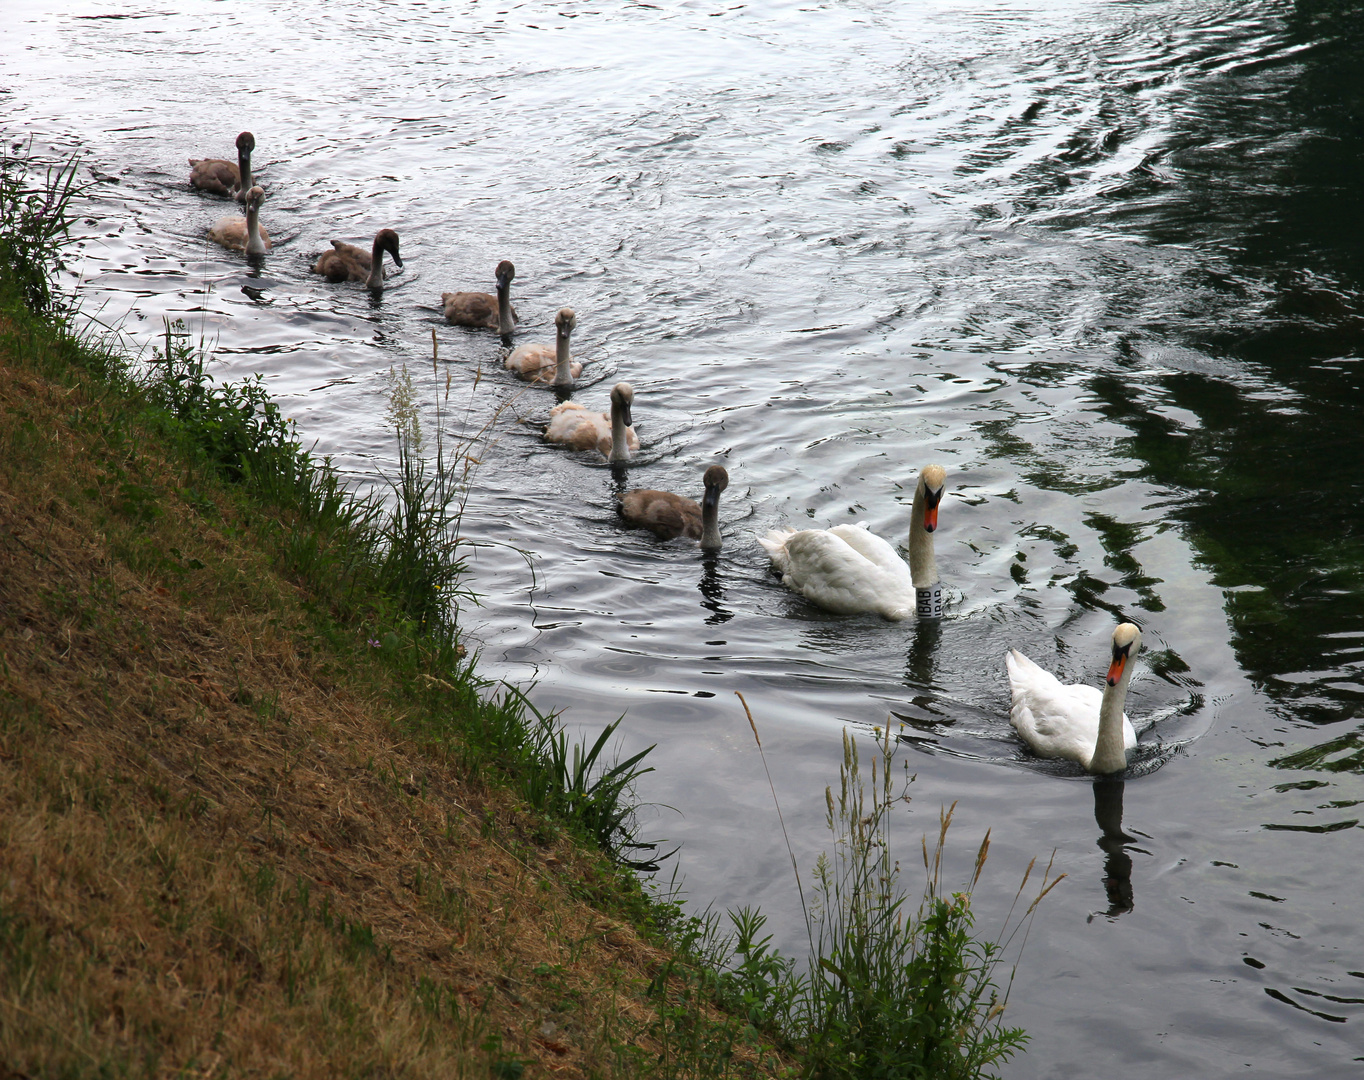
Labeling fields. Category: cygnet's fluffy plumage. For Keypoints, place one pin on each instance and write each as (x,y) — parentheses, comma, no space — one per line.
(850,570)
(611,434)
(548,363)
(243,234)
(1071,721)
(484,310)
(346,262)
(219,177)
(669,516)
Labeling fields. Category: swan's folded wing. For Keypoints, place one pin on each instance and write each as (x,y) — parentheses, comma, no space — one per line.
(872,548)
(1055,719)
(836,576)
(774,543)
(575,427)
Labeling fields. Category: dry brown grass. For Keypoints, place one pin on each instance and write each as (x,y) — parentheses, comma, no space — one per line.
(218,855)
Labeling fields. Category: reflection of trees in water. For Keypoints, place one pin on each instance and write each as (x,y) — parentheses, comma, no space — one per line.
(1262,177)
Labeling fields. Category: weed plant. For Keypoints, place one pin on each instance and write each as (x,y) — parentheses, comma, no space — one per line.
(35,228)
(888,991)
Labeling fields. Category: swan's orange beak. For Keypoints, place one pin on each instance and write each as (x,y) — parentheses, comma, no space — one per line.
(1115,668)
(931,500)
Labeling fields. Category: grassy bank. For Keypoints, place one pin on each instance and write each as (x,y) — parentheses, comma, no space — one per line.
(259,814)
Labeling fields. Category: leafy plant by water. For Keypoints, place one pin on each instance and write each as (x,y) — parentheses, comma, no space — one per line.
(889,991)
(35,227)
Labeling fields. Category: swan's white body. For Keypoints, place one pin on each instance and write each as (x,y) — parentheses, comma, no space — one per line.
(1073,722)
(849,570)
(610,434)
(548,363)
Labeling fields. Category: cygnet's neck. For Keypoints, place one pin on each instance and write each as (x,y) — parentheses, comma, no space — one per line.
(923,564)
(376,267)
(563,371)
(504,312)
(244,174)
(620,440)
(1110,755)
(710,521)
(254,244)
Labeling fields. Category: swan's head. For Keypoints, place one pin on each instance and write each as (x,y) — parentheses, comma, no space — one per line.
(505,272)
(932,478)
(565,321)
(1126,643)
(387,240)
(255,197)
(246,142)
(716,480)
(622,397)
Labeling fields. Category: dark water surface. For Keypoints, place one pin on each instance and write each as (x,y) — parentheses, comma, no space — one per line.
(1103,261)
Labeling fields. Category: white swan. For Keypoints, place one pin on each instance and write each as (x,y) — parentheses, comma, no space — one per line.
(669,516)
(346,262)
(545,363)
(575,427)
(850,570)
(243,234)
(1075,722)
(484,310)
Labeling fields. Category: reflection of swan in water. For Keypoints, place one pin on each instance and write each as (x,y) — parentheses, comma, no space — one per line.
(713,591)
(1115,845)
(921,661)
(849,570)
(1074,722)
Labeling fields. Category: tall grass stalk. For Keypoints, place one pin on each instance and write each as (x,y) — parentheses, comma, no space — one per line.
(890,991)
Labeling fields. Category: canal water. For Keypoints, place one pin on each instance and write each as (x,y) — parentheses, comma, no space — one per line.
(1103,261)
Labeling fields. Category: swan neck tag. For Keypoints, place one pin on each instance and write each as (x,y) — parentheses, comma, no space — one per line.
(928,602)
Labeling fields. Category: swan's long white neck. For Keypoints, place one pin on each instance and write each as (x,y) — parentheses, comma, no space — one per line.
(923,564)
(1110,755)
(620,445)
(376,267)
(563,373)
(504,313)
(254,244)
